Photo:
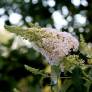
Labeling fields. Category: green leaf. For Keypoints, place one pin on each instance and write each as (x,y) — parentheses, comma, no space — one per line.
(65,86)
(77,80)
(33,70)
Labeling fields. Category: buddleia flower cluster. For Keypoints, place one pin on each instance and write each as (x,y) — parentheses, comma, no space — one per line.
(85,48)
(71,61)
(51,43)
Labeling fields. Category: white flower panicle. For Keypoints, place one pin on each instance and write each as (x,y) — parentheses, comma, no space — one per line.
(53,44)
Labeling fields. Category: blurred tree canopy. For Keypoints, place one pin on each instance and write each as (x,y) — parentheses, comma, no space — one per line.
(68,15)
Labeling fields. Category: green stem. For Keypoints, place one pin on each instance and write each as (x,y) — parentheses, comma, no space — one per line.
(55,73)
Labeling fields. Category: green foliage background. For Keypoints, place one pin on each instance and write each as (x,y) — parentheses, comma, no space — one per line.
(13,75)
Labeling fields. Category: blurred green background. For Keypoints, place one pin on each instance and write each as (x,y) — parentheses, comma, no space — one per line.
(74,16)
